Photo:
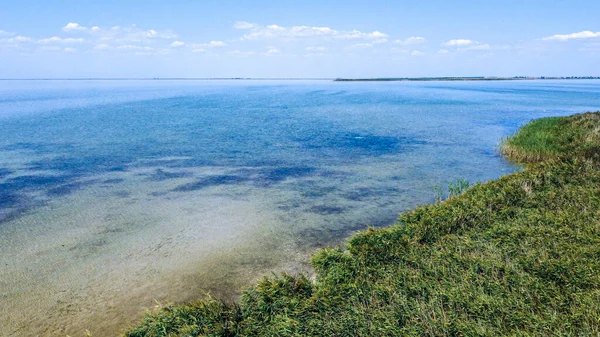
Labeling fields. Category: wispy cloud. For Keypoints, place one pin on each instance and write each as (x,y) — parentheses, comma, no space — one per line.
(50,48)
(244,25)
(17,39)
(355,34)
(177,44)
(593,47)
(5,33)
(276,31)
(211,44)
(362,45)
(417,53)
(586,34)
(272,51)
(118,34)
(462,45)
(240,53)
(477,47)
(102,46)
(459,43)
(131,47)
(369,44)
(56,39)
(411,40)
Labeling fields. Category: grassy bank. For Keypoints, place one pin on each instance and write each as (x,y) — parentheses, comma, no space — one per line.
(516,256)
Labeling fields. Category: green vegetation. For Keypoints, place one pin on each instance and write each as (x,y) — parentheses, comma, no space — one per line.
(555,138)
(516,256)
(455,188)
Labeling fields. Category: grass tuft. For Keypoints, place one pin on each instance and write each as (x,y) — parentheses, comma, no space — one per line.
(555,137)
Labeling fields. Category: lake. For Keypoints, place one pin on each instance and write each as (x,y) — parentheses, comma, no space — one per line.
(116,196)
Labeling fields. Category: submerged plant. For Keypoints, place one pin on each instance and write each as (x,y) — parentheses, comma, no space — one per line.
(438,194)
(457,187)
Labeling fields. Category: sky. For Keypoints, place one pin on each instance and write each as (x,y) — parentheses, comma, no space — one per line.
(298,39)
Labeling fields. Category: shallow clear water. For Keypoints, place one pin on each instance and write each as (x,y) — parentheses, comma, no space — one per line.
(115,193)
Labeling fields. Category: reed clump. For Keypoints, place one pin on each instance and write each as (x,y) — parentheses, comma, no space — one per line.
(519,255)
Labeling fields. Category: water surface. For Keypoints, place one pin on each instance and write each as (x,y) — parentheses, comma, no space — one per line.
(117,194)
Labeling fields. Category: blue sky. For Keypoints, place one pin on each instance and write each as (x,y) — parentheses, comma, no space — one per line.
(259,38)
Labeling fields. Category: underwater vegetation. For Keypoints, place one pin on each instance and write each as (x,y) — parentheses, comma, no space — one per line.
(519,255)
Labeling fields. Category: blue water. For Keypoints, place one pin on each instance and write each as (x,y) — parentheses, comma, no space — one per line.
(75,129)
(82,128)
(316,159)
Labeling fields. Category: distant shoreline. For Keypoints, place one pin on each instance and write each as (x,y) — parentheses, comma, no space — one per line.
(425,79)
(379,79)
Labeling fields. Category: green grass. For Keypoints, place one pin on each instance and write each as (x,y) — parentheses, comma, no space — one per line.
(516,256)
(552,138)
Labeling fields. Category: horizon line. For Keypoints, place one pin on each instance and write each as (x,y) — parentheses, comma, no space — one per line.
(292,78)
(162,78)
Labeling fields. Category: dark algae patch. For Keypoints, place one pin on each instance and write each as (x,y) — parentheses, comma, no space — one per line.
(516,256)
(210,182)
(160,175)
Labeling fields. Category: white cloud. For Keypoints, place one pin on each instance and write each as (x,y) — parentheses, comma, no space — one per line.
(211,44)
(70,50)
(244,25)
(56,39)
(49,48)
(134,47)
(5,33)
(102,46)
(363,45)
(586,34)
(199,50)
(399,50)
(459,43)
(306,31)
(73,26)
(269,31)
(242,53)
(314,54)
(466,45)
(478,47)
(18,39)
(417,53)
(177,44)
(315,48)
(276,31)
(355,34)
(411,40)
(151,33)
(130,35)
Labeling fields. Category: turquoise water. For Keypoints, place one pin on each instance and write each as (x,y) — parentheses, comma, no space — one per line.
(109,185)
